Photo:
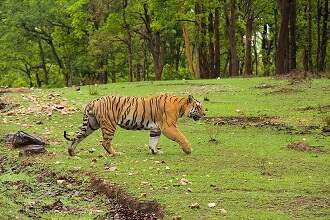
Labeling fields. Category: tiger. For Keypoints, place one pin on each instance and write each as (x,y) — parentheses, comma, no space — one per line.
(159,114)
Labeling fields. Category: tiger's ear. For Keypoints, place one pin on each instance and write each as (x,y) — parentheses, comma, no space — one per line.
(190,98)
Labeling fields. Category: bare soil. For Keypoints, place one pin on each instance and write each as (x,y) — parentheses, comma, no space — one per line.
(304,147)
(260,121)
(118,204)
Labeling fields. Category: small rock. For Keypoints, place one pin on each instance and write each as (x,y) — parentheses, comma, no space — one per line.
(184,181)
(143,195)
(60,181)
(167,168)
(189,189)
(211,205)
(92,150)
(223,211)
(194,205)
(177,217)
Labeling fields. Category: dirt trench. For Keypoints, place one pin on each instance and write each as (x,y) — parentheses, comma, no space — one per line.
(108,200)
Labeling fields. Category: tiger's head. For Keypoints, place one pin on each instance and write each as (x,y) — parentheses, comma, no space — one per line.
(194,109)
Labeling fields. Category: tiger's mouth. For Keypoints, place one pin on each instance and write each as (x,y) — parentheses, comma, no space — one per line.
(195,117)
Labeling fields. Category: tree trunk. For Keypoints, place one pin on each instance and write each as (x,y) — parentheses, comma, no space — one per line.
(319,16)
(231,24)
(200,41)
(308,62)
(43,62)
(255,52)
(188,51)
(38,80)
(282,53)
(248,52)
(292,45)
(216,43)
(128,43)
(324,40)
(211,69)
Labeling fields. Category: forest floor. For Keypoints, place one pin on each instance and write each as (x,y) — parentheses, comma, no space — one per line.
(261,153)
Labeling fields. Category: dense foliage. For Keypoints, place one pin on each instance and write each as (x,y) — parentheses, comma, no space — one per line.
(64,42)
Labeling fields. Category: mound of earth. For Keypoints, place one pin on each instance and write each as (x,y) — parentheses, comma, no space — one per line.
(304,147)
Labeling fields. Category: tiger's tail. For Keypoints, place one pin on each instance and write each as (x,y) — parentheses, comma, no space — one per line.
(80,135)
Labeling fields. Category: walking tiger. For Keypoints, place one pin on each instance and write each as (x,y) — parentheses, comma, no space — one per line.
(159,114)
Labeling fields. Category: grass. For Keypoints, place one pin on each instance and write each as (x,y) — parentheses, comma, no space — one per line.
(249,171)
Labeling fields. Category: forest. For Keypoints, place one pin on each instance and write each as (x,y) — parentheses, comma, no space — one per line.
(56,43)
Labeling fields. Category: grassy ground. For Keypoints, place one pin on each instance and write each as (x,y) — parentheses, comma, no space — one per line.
(248,171)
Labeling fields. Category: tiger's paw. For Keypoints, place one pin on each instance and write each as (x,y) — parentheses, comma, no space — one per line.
(71,152)
(187,150)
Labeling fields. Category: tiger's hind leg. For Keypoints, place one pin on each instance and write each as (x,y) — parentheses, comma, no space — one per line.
(90,124)
(108,133)
(153,140)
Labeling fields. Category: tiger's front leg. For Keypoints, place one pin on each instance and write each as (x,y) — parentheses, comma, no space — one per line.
(153,140)
(175,135)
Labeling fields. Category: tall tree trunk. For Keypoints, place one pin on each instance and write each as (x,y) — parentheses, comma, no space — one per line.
(211,60)
(275,38)
(197,33)
(266,50)
(255,52)
(319,16)
(157,55)
(38,80)
(292,45)
(325,38)
(282,52)
(216,43)
(43,62)
(308,61)
(128,43)
(201,41)
(248,52)
(231,25)
(155,44)
(188,51)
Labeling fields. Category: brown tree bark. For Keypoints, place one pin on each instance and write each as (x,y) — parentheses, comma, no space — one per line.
(129,43)
(324,39)
(292,45)
(248,46)
(211,69)
(155,44)
(308,62)
(187,47)
(43,62)
(282,51)
(216,43)
(231,31)
(200,40)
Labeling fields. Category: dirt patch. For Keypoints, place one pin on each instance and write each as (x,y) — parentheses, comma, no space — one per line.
(3,104)
(125,206)
(304,147)
(48,104)
(259,121)
(255,121)
(266,86)
(14,90)
(53,187)
(284,90)
(320,108)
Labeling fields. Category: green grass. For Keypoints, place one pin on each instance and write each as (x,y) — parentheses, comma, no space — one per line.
(249,172)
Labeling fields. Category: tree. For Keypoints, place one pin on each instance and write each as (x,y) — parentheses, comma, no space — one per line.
(282,50)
